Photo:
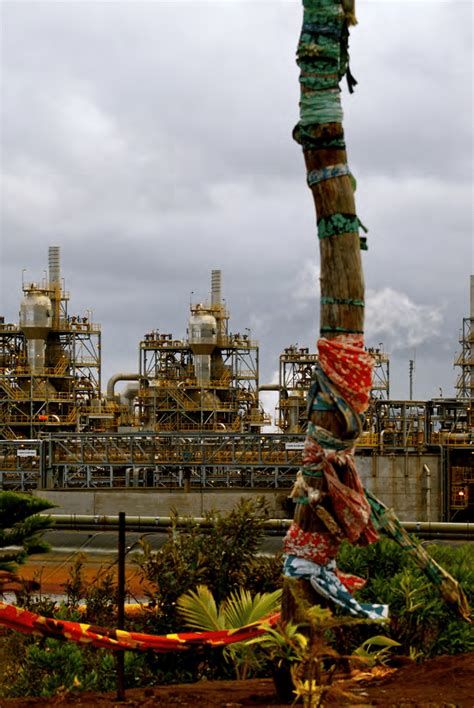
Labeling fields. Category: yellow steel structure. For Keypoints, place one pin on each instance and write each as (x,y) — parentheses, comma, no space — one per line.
(206,382)
(49,363)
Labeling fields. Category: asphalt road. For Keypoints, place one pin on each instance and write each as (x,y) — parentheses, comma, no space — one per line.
(104,543)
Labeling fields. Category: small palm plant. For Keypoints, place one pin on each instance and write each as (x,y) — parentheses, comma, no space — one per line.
(199,610)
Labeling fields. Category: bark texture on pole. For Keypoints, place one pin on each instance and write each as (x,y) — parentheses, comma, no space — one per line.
(322,56)
(323,60)
(331,504)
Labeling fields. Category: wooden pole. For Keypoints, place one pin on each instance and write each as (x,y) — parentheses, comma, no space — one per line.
(342,383)
(120,655)
(320,132)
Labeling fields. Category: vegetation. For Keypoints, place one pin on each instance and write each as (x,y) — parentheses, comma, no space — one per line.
(419,618)
(21,527)
(200,611)
(224,559)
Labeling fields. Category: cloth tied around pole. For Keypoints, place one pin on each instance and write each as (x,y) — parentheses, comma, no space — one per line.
(341,384)
(334,586)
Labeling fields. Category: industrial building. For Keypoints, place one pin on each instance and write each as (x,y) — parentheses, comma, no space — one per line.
(190,421)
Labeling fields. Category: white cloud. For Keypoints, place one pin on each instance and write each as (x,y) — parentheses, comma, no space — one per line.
(393,317)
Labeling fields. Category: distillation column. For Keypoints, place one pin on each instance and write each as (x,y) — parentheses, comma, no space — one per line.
(471,344)
(35,322)
(55,283)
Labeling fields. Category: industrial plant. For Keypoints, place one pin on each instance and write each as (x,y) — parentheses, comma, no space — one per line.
(190,420)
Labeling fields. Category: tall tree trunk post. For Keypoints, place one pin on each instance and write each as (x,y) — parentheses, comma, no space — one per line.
(331,503)
(323,60)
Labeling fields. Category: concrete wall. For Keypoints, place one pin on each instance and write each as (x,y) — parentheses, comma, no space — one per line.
(152,502)
(409,484)
(399,481)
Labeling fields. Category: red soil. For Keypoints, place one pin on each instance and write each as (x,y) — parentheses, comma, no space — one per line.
(446,681)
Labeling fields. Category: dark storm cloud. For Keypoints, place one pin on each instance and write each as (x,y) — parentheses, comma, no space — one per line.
(152,141)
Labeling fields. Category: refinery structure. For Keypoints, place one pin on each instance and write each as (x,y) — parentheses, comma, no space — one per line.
(190,419)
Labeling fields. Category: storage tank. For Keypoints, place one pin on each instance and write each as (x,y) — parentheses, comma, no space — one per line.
(202,337)
(35,322)
(202,328)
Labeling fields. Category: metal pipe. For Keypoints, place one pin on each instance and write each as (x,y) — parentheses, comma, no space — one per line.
(427,472)
(54,266)
(120,656)
(275,525)
(115,379)
(215,287)
(443,481)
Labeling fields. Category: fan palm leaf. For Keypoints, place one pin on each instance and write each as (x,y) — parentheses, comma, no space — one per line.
(199,610)
(240,608)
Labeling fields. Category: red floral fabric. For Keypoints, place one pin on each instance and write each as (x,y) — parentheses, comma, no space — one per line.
(350,506)
(349,367)
(316,547)
(350,582)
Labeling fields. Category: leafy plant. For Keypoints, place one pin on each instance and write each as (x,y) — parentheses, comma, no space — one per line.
(200,611)
(302,653)
(419,618)
(21,525)
(223,557)
(376,650)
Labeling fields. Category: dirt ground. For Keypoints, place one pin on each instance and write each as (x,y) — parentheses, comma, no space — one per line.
(446,681)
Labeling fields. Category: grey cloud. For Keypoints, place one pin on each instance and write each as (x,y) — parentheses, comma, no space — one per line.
(152,141)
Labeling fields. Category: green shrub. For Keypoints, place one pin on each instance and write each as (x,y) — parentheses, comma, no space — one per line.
(419,618)
(223,557)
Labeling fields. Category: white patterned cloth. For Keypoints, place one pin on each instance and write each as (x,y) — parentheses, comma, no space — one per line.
(325,582)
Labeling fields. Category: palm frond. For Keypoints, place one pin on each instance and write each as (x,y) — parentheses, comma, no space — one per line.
(241,608)
(198,609)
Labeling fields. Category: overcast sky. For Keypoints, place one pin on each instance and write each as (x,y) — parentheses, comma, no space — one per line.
(152,142)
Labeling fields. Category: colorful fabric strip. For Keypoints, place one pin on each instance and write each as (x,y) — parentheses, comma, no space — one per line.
(329,172)
(325,581)
(30,623)
(349,368)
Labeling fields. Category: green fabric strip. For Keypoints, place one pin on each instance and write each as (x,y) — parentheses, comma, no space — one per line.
(300,500)
(327,300)
(320,405)
(337,224)
(321,107)
(308,472)
(323,60)
(308,141)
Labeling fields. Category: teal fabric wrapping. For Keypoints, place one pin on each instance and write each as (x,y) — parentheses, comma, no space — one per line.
(321,61)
